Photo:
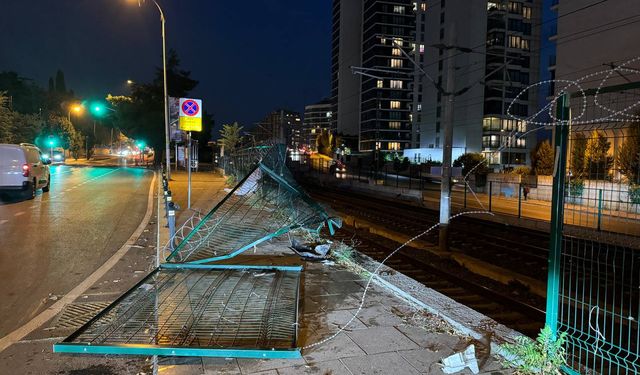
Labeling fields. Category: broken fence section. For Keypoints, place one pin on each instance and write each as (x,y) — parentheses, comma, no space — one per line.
(199,310)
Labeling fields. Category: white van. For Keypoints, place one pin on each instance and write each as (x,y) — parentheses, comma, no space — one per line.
(23,169)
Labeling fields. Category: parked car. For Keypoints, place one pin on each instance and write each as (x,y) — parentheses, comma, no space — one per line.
(24,169)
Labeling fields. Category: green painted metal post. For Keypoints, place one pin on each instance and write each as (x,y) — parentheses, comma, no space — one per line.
(490,193)
(520,200)
(599,208)
(465,195)
(557,213)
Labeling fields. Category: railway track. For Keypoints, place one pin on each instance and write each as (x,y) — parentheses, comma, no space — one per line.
(520,250)
(449,279)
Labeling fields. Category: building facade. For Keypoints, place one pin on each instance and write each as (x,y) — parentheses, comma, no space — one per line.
(317,117)
(375,106)
(495,45)
(280,126)
(346,51)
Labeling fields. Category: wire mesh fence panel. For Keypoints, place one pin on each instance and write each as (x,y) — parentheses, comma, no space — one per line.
(265,204)
(599,273)
(208,308)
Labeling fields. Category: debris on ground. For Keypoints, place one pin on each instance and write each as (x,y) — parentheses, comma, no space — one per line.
(459,361)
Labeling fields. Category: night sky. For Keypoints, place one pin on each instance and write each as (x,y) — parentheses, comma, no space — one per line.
(249,56)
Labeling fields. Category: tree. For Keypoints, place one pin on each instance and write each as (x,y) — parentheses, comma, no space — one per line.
(230,136)
(6,119)
(597,162)
(472,162)
(629,155)
(543,159)
(578,148)
(26,97)
(326,143)
(61,86)
(52,86)
(141,115)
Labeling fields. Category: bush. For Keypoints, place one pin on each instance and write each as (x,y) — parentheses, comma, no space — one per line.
(472,162)
(231,180)
(634,193)
(576,187)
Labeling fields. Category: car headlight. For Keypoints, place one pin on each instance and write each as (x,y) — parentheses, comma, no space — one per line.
(57,157)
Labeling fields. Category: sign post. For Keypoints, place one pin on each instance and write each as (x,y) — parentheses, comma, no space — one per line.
(190,119)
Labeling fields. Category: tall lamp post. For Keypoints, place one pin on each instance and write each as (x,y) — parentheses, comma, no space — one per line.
(166,94)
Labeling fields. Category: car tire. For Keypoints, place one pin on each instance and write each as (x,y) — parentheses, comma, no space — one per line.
(30,193)
(46,188)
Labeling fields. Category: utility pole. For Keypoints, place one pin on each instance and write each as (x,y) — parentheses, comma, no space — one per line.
(447,145)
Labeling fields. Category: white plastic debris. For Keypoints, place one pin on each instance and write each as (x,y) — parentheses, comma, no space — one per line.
(457,362)
(146,287)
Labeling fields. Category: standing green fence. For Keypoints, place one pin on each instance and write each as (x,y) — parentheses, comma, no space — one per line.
(594,273)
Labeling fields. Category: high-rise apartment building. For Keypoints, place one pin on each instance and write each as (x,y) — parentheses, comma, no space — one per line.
(317,117)
(495,44)
(346,51)
(374,107)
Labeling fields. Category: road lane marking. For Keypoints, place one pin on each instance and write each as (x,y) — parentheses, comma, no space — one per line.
(3,221)
(19,213)
(76,292)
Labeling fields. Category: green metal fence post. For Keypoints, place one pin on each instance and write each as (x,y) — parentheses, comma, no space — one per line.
(490,193)
(465,195)
(599,208)
(520,200)
(557,213)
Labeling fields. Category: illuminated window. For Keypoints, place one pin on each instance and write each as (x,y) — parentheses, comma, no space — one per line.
(419,107)
(398,9)
(396,84)
(394,124)
(394,104)
(423,7)
(521,142)
(422,48)
(380,84)
(383,41)
(394,145)
(396,63)
(396,52)
(377,145)
(526,12)
(398,42)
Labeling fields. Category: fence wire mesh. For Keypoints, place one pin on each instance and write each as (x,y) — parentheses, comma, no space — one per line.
(599,291)
(201,308)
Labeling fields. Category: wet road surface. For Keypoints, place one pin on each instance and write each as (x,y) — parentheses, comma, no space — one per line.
(50,244)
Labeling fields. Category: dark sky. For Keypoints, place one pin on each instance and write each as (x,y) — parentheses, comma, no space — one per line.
(249,56)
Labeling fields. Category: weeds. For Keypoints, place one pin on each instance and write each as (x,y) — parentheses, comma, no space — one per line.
(545,355)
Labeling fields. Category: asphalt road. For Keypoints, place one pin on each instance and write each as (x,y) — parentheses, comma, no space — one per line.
(52,243)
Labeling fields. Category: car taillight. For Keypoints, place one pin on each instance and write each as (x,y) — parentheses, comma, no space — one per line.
(25,170)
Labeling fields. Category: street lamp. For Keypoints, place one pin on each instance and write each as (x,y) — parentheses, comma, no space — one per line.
(77,108)
(166,95)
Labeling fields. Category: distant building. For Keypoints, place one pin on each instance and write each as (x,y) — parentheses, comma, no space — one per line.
(374,107)
(280,126)
(346,51)
(317,117)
